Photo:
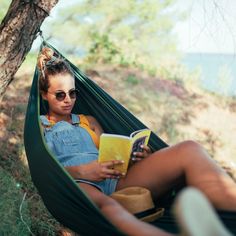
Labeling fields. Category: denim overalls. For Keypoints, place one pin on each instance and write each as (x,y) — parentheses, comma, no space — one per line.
(73,145)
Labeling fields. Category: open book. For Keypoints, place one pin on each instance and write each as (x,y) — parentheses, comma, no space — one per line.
(119,147)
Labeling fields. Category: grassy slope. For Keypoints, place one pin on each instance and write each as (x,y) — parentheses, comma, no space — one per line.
(172,110)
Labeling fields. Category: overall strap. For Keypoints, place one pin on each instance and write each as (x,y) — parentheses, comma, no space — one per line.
(48,125)
(45,123)
(75,119)
(44,120)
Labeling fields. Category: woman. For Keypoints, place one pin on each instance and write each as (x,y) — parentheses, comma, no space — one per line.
(66,133)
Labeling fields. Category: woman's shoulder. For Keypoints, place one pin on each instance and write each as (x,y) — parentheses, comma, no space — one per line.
(86,118)
(83,118)
(89,121)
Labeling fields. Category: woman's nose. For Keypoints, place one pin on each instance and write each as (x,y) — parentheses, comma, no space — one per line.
(67,98)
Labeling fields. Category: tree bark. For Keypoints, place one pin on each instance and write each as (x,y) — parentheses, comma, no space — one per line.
(18,30)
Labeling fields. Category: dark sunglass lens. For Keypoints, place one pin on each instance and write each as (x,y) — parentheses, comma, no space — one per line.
(60,96)
(73,93)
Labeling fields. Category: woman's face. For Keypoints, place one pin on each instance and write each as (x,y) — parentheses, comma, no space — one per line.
(60,83)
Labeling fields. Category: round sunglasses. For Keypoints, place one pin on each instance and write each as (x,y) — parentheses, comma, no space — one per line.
(61,95)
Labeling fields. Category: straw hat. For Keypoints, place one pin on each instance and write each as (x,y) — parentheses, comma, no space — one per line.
(138,201)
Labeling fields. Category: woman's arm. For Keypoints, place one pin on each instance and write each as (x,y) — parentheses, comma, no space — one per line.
(95,171)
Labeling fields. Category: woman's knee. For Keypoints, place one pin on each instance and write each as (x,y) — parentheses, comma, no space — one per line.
(190,146)
(190,151)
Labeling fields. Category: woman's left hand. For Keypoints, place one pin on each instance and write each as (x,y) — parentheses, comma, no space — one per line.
(138,156)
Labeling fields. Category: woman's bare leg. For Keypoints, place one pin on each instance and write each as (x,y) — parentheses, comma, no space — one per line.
(187,162)
(119,217)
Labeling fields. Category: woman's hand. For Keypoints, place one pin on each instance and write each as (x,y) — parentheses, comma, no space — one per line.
(95,171)
(138,156)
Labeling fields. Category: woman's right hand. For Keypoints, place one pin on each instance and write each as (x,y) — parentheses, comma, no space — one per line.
(95,171)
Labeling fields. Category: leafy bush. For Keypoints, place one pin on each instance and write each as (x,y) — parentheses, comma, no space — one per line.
(103,50)
(132,80)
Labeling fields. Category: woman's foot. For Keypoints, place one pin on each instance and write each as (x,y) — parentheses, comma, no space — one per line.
(196,216)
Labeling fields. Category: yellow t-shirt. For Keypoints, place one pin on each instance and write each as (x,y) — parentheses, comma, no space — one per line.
(84,123)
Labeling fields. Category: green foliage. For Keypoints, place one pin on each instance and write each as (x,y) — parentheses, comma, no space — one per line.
(132,80)
(132,31)
(103,50)
(152,71)
(3,9)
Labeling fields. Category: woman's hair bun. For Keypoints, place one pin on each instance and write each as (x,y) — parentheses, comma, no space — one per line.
(45,56)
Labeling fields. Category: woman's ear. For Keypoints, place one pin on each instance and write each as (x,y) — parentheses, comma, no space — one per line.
(44,95)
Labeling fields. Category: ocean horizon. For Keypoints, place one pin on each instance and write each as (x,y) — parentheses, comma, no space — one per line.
(217,71)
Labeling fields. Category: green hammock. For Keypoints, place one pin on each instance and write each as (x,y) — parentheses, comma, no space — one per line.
(61,195)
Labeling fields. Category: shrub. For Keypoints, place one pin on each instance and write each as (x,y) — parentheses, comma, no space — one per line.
(132,80)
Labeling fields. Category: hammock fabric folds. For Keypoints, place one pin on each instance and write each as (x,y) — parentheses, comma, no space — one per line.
(60,194)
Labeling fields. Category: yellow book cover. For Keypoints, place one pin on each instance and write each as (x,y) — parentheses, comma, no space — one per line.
(120,147)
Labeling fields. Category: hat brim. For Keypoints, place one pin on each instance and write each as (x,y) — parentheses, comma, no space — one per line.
(152,217)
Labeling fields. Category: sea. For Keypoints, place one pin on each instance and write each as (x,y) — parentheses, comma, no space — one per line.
(217,71)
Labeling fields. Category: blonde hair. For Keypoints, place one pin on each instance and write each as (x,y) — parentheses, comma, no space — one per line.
(50,64)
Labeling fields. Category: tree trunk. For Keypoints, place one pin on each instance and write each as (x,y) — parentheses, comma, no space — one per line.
(18,30)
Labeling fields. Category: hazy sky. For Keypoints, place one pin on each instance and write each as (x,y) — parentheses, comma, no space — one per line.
(210,26)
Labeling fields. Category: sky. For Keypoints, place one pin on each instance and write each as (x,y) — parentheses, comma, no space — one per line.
(210,26)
